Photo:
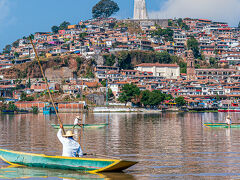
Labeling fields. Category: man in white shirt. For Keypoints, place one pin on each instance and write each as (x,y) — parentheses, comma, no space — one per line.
(71,148)
(76,121)
(228,120)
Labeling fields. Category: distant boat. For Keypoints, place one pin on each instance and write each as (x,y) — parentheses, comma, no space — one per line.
(70,126)
(7,112)
(223,125)
(49,109)
(92,165)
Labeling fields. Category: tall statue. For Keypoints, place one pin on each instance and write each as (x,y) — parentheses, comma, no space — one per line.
(140,10)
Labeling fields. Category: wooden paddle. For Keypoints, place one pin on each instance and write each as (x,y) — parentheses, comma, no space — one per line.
(48,89)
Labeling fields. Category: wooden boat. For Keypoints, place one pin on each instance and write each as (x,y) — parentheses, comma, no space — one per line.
(70,126)
(92,165)
(223,125)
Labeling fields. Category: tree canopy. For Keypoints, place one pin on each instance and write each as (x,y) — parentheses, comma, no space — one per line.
(109,59)
(166,33)
(7,49)
(152,99)
(129,93)
(104,9)
(192,44)
(55,29)
(180,101)
(64,25)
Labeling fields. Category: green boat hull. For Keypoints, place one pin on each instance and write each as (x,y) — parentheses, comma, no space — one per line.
(65,163)
(70,126)
(223,125)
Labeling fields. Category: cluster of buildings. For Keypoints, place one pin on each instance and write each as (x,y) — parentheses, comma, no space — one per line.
(95,37)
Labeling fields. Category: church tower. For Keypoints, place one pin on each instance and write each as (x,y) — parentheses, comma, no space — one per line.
(140,10)
(191,73)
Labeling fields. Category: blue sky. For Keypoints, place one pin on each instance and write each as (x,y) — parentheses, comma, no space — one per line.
(20,18)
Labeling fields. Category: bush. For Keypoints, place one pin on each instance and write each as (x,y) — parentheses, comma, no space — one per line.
(35,109)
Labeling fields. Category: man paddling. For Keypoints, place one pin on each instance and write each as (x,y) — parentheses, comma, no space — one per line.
(228,120)
(76,122)
(71,148)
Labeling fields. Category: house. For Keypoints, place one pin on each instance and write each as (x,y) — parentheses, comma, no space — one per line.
(168,71)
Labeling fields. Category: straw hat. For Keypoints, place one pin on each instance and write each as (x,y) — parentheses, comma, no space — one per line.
(69,134)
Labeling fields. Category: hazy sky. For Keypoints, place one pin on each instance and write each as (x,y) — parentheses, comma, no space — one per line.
(20,18)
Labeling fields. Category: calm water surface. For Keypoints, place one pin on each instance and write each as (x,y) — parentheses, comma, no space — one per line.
(167,145)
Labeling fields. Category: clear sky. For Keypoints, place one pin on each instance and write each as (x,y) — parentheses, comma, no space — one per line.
(20,18)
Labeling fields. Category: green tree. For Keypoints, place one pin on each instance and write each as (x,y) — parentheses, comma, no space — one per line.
(180,101)
(239,24)
(166,33)
(12,107)
(24,97)
(7,49)
(163,57)
(55,29)
(104,8)
(129,93)
(124,60)
(213,62)
(16,55)
(15,43)
(183,67)
(110,93)
(35,109)
(109,59)
(152,99)
(170,23)
(192,44)
(82,35)
(104,82)
(64,25)
(145,97)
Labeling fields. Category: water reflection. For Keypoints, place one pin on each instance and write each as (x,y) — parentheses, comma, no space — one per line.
(12,172)
(167,145)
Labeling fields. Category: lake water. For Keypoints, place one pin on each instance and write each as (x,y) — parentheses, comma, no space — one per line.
(166,145)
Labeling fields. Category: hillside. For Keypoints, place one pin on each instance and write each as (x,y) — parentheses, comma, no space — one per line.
(55,68)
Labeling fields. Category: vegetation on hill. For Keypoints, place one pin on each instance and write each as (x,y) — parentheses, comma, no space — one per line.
(193,44)
(104,9)
(129,59)
(167,34)
(62,26)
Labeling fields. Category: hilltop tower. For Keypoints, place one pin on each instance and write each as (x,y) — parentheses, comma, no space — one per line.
(191,73)
(140,10)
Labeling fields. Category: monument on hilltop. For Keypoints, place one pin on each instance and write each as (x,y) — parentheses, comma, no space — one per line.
(141,16)
(140,10)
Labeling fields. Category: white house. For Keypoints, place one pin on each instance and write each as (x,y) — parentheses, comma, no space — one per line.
(168,71)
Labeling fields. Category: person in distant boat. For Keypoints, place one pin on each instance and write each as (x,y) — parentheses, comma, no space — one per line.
(228,120)
(71,148)
(76,121)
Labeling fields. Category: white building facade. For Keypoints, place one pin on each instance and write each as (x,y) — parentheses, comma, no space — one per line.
(168,71)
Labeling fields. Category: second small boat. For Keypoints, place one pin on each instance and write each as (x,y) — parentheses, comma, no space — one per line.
(223,125)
